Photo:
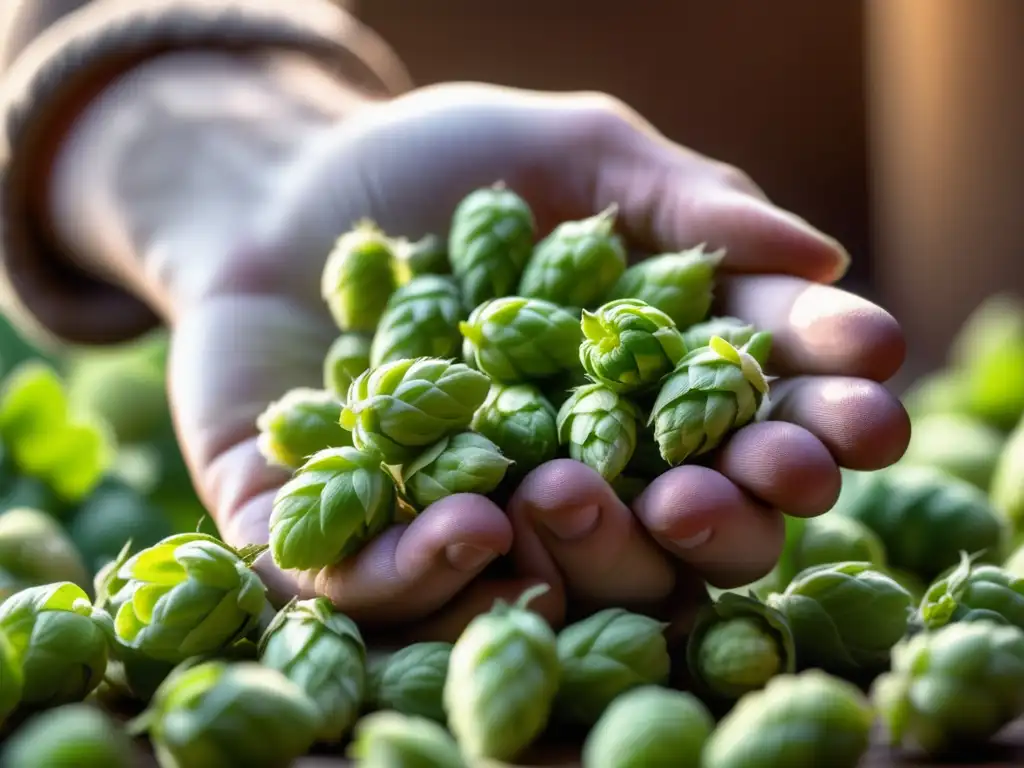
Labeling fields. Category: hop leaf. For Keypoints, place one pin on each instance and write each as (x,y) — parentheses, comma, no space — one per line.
(462,463)
(600,428)
(400,408)
(12,678)
(421,320)
(411,681)
(679,284)
(298,425)
(490,242)
(629,345)
(522,423)
(348,357)
(713,391)
(322,652)
(187,596)
(336,502)
(393,739)
(358,278)
(577,264)
(515,339)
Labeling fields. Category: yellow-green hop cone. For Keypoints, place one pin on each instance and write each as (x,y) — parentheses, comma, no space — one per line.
(215,714)
(334,504)
(941,392)
(605,655)
(35,549)
(359,278)
(189,595)
(1006,488)
(515,339)
(60,642)
(713,391)
(74,735)
(426,256)
(490,241)
(830,538)
(421,320)
(462,463)
(522,423)
(845,617)
(924,517)
(322,652)
(600,428)
(679,284)
(12,678)
(411,681)
(395,740)
(732,329)
(401,408)
(347,357)
(577,264)
(298,425)
(737,645)
(974,592)
(629,345)
(502,679)
(798,721)
(960,445)
(650,727)
(955,687)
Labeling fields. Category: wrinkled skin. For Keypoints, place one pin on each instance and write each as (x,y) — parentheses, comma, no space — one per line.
(570,156)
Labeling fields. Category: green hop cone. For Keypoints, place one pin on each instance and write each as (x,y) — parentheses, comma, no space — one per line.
(940,392)
(629,345)
(515,339)
(298,425)
(60,641)
(1006,488)
(605,655)
(35,549)
(334,504)
(959,445)
(12,678)
(712,392)
(216,714)
(411,681)
(973,592)
(679,284)
(358,278)
(650,726)
(732,329)
(400,408)
(522,423)
(924,517)
(830,538)
(800,721)
(347,357)
(462,463)
(502,679)
(600,428)
(187,596)
(78,735)
(395,740)
(421,320)
(322,652)
(490,241)
(737,645)
(577,264)
(955,687)
(414,258)
(845,617)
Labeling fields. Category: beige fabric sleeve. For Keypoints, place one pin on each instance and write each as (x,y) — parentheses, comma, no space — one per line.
(55,54)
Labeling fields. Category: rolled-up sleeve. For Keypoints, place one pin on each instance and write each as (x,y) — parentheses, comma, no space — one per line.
(56,54)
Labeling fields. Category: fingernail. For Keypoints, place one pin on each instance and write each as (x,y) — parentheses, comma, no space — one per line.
(466,557)
(692,542)
(844,261)
(573,524)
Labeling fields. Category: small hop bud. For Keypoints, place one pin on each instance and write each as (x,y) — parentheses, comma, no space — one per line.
(347,357)
(421,320)
(298,425)
(600,427)
(462,463)
(358,278)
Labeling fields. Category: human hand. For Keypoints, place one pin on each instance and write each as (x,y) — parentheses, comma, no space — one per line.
(263,329)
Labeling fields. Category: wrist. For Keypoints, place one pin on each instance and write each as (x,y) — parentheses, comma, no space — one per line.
(158,178)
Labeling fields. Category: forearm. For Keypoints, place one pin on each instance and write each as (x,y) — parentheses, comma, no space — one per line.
(175,158)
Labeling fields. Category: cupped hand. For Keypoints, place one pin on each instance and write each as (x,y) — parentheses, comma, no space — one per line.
(263,329)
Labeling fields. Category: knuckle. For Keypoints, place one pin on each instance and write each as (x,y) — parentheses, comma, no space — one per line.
(731,177)
(603,116)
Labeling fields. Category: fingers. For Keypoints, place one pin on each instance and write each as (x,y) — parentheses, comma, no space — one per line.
(782,465)
(817,329)
(710,524)
(572,530)
(862,424)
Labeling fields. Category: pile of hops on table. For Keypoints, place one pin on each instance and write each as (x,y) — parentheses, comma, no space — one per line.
(897,591)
